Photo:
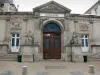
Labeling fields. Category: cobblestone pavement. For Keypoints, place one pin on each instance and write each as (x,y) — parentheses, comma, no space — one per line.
(50,67)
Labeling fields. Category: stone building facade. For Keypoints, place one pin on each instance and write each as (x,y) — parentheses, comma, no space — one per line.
(49,32)
(94,9)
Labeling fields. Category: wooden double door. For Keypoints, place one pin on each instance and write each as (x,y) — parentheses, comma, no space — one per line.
(51,45)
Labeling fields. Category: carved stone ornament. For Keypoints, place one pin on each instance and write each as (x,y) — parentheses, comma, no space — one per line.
(83,26)
(15,22)
(51,8)
(29,38)
(42,20)
(75,39)
(62,21)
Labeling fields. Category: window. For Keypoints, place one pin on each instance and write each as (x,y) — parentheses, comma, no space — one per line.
(96,10)
(51,27)
(90,13)
(84,39)
(15,40)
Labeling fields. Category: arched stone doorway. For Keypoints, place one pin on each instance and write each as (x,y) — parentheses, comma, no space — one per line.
(51,41)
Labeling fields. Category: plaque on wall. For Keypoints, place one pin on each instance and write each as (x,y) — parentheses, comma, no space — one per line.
(51,14)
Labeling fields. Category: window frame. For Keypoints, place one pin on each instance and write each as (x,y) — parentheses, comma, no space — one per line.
(15,37)
(85,37)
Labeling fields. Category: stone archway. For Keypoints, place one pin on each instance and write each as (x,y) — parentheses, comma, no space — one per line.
(54,21)
(51,41)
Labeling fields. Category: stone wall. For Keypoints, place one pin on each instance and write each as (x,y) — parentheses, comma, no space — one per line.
(77,54)
(3,49)
(31,26)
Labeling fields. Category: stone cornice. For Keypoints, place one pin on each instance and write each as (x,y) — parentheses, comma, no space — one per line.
(95,45)
(16,13)
(32,45)
(74,45)
(30,15)
(82,17)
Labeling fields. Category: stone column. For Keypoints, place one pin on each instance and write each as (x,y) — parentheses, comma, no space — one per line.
(91,69)
(24,71)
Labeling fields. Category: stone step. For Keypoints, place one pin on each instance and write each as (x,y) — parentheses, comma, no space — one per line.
(93,59)
(8,57)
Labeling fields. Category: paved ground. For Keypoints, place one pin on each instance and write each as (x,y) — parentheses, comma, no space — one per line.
(50,67)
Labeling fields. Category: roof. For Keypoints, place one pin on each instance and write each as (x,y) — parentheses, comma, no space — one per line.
(92,6)
(52,2)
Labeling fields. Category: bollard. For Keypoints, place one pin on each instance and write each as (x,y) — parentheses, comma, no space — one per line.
(24,71)
(91,69)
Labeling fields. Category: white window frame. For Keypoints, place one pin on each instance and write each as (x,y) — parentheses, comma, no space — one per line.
(15,48)
(85,48)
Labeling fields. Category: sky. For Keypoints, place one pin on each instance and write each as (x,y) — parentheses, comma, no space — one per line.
(77,6)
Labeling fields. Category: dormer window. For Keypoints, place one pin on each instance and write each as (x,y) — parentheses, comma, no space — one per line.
(36,13)
(90,13)
(96,10)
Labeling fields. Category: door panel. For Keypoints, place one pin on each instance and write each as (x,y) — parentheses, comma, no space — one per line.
(46,48)
(57,47)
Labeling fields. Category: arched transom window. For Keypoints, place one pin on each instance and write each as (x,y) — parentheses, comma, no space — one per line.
(51,27)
